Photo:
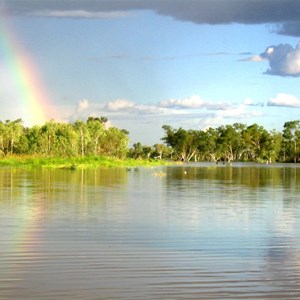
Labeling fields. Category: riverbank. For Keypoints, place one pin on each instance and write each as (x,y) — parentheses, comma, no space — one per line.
(77,162)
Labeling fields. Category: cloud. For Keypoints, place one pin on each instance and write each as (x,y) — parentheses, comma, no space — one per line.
(193,102)
(289,28)
(238,113)
(255,58)
(119,105)
(284,100)
(144,120)
(82,105)
(81,14)
(125,108)
(82,111)
(284,60)
(283,13)
(189,106)
(232,11)
(181,111)
(250,102)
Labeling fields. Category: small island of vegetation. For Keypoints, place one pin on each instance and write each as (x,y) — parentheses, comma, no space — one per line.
(91,144)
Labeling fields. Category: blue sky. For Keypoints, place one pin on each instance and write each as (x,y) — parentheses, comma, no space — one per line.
(146,63)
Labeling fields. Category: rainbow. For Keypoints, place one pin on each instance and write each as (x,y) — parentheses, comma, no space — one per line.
(29,91)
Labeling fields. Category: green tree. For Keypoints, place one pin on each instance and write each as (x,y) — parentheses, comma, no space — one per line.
(136,151)
(254,137)
(66,140)
(115,143)
(271,146)
(83,135)
(161,151)
(229,142)
(14,131)
(291,140)
(48,138)
(184,142)
(147,151)
(34,140)
(96,133)
(2,138)
(209,145)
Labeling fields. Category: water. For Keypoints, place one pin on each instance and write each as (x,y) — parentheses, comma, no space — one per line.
(196,231)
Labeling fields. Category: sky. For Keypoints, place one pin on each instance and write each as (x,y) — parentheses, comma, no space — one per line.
(193,64)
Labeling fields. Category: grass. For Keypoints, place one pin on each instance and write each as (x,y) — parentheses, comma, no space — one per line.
(76,162)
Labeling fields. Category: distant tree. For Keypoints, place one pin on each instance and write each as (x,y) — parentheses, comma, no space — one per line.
(161,150)
(136,151)
(229,142)
(254,136)
(2,138)
(13,131)
(291,140)
(96,133)
(83,135)
(48,137)
(270,146)
(184,142)
(147,151)
(115,143)
(33,136)
(209,145)
(66,138)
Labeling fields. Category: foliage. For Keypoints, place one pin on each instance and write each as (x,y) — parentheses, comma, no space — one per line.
(237,142)
(66,143)
(54,139)
(291,141)
(78,162)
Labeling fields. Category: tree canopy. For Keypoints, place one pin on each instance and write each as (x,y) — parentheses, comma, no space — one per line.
(237,142)
(63,139)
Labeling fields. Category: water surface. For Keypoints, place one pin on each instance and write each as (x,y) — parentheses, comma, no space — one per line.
(197,231)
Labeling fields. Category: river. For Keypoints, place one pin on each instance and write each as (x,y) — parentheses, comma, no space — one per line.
(192,231)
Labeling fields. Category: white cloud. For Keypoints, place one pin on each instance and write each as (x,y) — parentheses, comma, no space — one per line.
(81,14)
(284,60)
(125,107)
(285,100)
(82,111)
(250,102)
(190,112)
(193,102)
(82,105)
(238,113)
(255,58)
(144,121)
(119,105)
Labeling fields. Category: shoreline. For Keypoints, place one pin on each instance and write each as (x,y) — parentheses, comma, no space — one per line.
(74,163)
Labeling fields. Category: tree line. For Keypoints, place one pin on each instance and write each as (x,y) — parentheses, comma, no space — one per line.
(63,139)
(237,142)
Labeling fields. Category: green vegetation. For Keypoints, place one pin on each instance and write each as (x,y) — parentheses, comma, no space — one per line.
(76,162)
(91,144)
(55,139)
(237,142)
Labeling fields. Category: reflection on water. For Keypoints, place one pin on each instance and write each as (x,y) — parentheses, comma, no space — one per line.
(201,232)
